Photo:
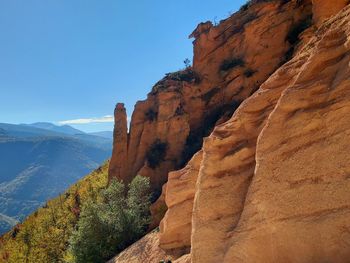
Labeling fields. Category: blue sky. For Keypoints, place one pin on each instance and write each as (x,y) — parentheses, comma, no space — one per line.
(75,59)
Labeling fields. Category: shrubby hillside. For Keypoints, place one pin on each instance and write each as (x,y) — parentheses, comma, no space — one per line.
(44,235)
(90,222)
(37,164)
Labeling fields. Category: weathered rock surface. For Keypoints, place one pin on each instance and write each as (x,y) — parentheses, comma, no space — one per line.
(272,185)
(297,208)
(181,187)
(323,9)
(145,250)
(117,166)
(230,62)
(177,224)
(158,209)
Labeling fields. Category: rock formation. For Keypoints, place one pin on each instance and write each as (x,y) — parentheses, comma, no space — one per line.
(172,233)
(271,183)
(231,60)
(117,166)
(273,178)
(323,9)
(145,250)
(176,232)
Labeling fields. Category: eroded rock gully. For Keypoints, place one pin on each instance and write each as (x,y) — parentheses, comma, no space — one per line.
(272,183)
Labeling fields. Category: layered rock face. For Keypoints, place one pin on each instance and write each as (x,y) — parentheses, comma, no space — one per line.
(231,61)
(175,231)
(272,182)
(272,23)
(324,9)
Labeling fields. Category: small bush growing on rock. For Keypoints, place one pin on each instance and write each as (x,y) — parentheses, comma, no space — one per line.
(187,63)
(228,64)
(249,73)
(245,7)
(151,115)
(156,153)
(187,75)
(180,110)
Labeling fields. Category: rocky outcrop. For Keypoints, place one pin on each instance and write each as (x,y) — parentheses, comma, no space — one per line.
(145,250)
(176,226)
(297,205)
(117,166)
(273,179)
(231,60)
(270,184)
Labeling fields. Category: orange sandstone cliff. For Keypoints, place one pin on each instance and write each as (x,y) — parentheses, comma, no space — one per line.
(271,182)
(230,62)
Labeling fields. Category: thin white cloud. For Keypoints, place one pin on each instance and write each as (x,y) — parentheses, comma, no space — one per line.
(104,119)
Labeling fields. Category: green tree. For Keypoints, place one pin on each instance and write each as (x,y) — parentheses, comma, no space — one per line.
(109,226)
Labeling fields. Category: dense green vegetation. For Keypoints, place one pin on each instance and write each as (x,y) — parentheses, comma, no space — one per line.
(87,213)
(43,236)
(108,226)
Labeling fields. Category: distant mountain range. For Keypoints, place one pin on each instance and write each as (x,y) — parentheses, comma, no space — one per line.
(104,134)
(40,160)
(66,129)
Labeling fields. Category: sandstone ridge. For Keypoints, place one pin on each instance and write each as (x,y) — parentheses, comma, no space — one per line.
(231,60)
(270,183)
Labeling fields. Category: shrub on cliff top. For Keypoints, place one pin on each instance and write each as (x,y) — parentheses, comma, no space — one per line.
(246,6)
(187,75)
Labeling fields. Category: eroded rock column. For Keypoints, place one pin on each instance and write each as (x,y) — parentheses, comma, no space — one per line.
(118,164)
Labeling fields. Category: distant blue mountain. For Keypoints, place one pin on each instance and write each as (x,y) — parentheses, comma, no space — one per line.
(104,134)
(37,164)
(66,129)
(22,131)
